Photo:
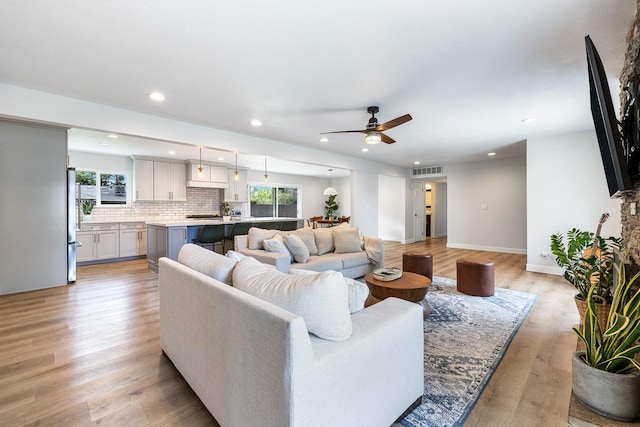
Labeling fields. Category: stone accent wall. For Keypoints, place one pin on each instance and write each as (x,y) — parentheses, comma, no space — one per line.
(631,72)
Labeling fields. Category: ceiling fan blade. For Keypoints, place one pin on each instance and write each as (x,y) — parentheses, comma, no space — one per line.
(346,131)
(386,139)
(395,122)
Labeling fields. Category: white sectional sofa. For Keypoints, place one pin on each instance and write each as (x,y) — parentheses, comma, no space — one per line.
(254,363)
(339,249)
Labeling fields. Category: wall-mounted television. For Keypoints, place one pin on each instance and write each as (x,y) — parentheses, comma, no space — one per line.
(617,160)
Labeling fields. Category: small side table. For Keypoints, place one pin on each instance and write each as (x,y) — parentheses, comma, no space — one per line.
(410,287)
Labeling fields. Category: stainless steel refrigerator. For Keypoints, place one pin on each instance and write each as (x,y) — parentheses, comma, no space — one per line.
(73,223)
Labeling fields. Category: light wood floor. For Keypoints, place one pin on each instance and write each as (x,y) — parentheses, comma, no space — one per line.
(89,353)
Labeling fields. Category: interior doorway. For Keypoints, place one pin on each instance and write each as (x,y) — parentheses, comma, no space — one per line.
(418,211)
(429,208)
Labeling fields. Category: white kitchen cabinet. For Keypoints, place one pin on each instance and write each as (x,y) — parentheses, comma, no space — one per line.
(99,241)
(169,181)
(237,191)
(143,179)
(212,176)
(133,239)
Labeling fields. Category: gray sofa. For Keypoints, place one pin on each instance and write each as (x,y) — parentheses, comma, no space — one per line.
(254,363)
(335,250)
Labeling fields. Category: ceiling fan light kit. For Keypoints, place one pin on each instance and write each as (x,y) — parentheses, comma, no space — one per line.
(373,130)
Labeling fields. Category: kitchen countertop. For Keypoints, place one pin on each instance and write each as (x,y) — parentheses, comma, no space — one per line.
(195,222)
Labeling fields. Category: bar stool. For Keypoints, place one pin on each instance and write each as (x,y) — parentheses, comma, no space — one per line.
(210,235)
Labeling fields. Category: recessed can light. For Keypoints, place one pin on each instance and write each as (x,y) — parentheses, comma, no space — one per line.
(324,139)
(416,163)
(256,123)
(112,135)
(171,152)
(220,159)
(528,120)
(491,154)
(364,150)
(156,96)
(104,144)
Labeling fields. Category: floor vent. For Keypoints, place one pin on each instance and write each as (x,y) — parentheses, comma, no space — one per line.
(428,170)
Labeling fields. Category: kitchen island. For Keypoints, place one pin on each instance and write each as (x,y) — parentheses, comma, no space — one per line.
(165,238)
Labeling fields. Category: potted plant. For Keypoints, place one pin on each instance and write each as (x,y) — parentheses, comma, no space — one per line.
(606,376)
(226,211)
(587,260)
(331,206)
(87,208)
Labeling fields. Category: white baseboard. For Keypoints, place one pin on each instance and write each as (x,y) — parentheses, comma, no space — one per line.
(487,248)
(536,268)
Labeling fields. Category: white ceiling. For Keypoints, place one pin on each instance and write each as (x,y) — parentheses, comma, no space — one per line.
(467,71)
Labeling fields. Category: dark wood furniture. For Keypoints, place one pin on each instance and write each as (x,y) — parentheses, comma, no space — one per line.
(410,287)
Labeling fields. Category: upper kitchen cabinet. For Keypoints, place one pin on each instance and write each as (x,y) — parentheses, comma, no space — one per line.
(170,181)
(160,180)
(143,179)
(212,176)
(237,190)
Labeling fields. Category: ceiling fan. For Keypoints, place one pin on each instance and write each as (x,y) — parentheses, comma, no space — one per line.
(373,131)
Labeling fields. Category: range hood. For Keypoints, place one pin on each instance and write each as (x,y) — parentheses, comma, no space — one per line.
(208,184)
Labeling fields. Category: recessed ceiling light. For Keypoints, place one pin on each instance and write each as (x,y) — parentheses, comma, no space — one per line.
(256,123)
(416,163)
(104,144)
(528,120)
(324,139)
(156,96)
(491,154)
(171,152)
(364,150)
(220,159)
(112,135)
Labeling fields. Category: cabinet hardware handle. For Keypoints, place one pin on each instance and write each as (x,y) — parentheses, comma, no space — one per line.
(185,234)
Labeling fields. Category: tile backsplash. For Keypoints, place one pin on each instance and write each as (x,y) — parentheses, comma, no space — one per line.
(199,201)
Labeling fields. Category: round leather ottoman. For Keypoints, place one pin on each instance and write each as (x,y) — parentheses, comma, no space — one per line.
(475,277)
(418,263)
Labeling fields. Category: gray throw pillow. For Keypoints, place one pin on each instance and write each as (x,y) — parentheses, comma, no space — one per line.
(297,247)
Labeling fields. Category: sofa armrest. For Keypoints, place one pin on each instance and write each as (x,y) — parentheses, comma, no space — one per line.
(374,247)
(240,242)
(281,262)
(382,364)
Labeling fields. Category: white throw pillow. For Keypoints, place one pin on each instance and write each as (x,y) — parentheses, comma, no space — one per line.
(346,240)
(207,262)
(358,292)
(297,247)
(324,240)
(257,236)
(306,234)
(276,244)
(321,300)
(236,256)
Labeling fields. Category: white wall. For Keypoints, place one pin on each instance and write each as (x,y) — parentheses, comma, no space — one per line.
(391,208)
(439,211)
(566,188)
(343,187)
(364,202)
(500,184)
(33,207)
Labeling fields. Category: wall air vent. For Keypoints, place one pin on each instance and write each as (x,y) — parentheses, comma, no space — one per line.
(428,170)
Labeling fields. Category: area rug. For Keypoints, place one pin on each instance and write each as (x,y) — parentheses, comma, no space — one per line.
(464,340)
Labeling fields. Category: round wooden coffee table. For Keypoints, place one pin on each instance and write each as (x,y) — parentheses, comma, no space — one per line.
(410,287)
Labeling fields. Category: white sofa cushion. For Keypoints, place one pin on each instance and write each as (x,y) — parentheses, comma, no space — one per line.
(257,236)
(321,300)
(236,256)
(207,262)
(276,244)
(297,247)
(358,292)
(324,240)
(306,234)
(346,240)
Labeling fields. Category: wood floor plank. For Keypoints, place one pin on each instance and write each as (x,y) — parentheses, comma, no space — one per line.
(89,354)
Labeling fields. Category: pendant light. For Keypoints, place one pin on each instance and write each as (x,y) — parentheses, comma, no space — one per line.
(235,180)
(200,168)
(235,174)
(266,177)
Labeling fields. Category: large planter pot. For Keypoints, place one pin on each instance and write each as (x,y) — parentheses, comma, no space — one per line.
(615,396)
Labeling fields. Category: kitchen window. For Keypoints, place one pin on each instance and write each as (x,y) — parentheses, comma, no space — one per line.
(111,191)
(274,201)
